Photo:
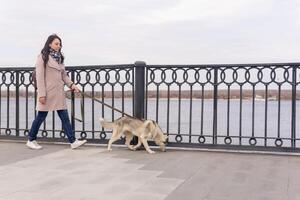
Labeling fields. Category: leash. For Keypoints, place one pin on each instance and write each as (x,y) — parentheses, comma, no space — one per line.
(105,104)
(97,100)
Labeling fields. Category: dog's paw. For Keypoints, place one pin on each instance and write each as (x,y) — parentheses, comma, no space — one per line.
(135,148)
(131,147)
(151,152)
(109,149)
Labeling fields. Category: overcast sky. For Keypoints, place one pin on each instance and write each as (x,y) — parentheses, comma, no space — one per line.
(155,31)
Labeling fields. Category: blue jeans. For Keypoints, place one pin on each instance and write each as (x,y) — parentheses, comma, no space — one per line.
(40,118)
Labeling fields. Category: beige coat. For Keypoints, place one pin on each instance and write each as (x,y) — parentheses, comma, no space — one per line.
(50,84)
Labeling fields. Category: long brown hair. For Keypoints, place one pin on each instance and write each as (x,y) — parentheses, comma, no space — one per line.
(46,50)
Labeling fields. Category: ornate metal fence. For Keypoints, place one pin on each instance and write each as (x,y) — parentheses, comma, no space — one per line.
(248,106)
(18,100)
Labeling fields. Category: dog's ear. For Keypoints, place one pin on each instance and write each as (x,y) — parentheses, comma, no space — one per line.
(148,123)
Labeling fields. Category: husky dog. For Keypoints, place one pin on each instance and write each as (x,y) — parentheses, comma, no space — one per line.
(143,129)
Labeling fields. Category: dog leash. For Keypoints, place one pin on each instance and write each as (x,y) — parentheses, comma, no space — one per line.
(105,104)
(99,101)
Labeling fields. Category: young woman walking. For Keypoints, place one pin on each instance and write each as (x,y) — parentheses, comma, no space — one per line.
(51,78)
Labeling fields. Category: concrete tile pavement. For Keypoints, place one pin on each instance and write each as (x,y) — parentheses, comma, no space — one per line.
(86,173)
(91,172)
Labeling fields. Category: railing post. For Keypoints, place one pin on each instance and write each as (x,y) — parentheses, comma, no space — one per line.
(17,105)
(139,89)
(294,93)
(72,102)
(139,92)
(215,106)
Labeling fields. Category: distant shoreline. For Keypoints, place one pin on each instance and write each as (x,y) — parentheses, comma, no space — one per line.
(185,94)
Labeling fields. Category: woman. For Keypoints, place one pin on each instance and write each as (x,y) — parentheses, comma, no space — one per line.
(51,78)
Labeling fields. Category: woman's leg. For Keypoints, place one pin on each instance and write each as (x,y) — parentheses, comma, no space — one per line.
(40,118)
(64,117)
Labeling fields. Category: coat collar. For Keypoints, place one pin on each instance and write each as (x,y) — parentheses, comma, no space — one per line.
(52,63)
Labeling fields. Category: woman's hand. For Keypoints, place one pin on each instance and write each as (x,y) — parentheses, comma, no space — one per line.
(42,100)
(75,88)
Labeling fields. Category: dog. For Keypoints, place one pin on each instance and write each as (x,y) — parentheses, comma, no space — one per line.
(129,127)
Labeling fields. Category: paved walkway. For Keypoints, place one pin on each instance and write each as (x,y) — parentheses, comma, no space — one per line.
(92,173)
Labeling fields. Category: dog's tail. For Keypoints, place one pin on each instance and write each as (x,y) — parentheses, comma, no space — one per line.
(105,124)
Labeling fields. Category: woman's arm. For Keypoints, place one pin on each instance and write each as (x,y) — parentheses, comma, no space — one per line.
(67,79)
(68,82)
(40,77)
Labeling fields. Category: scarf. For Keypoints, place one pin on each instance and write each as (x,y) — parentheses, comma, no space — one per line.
(56,55)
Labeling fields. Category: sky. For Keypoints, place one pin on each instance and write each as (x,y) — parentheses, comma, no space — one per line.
(96,32)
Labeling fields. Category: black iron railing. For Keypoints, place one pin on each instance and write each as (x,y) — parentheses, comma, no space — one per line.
(247,106)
